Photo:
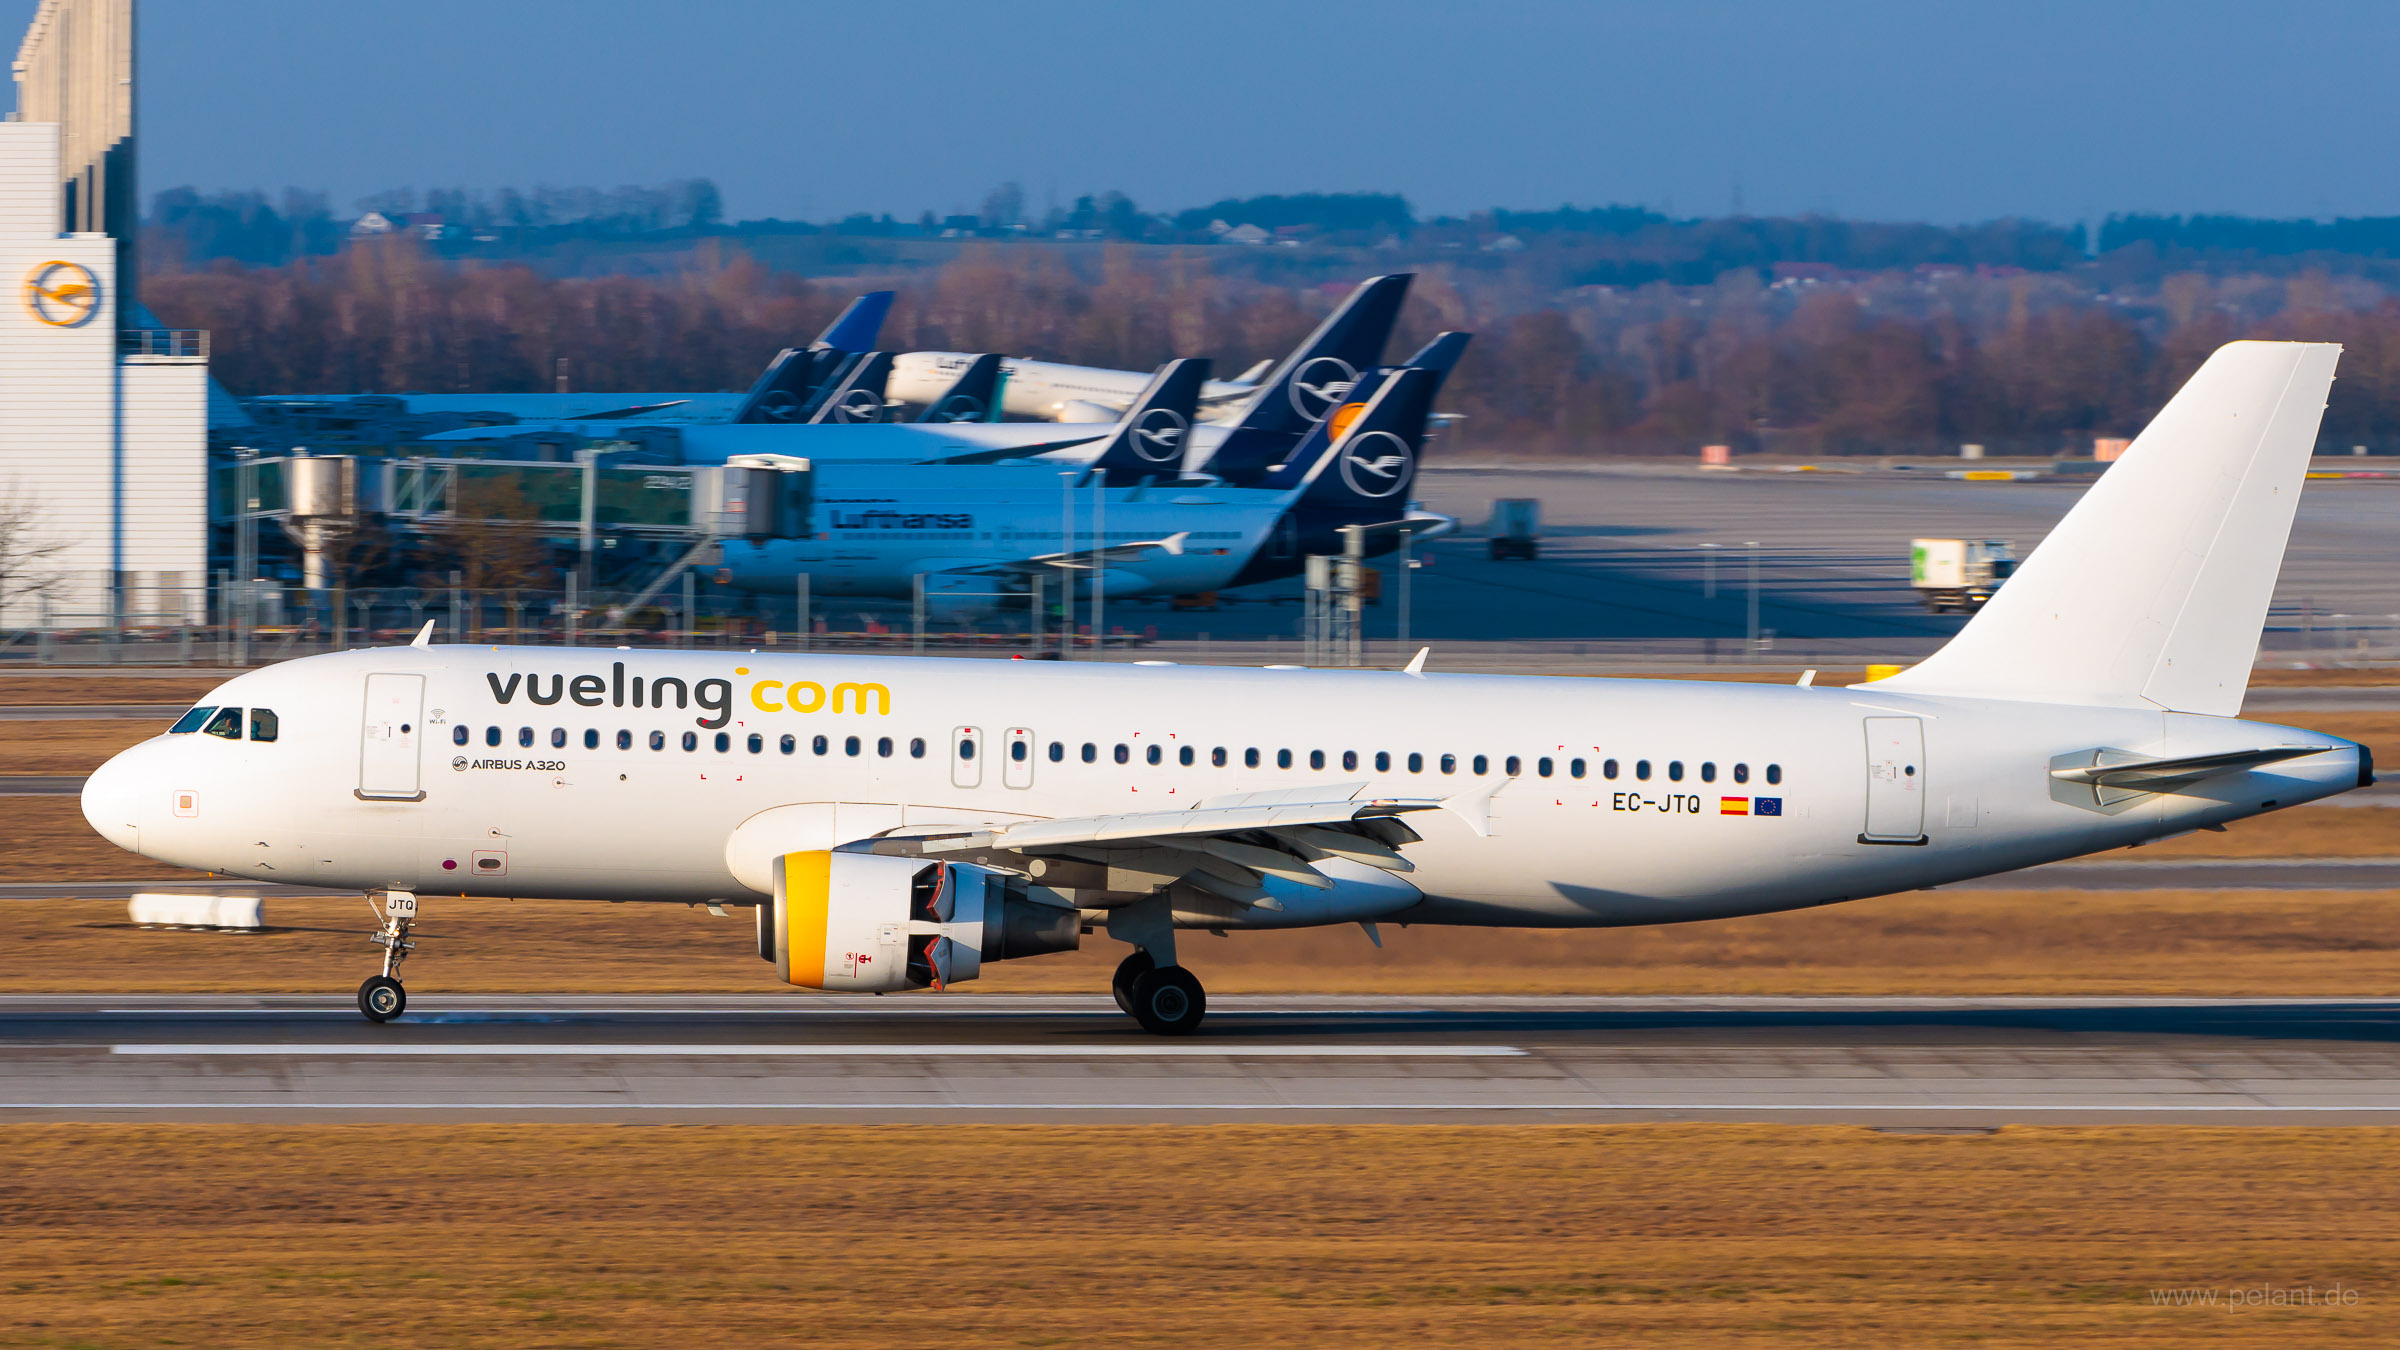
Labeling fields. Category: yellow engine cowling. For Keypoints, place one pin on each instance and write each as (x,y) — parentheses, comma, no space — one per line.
(873,923)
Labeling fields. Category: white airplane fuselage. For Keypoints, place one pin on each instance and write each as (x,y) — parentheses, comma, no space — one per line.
(1572,802)
(1046,390)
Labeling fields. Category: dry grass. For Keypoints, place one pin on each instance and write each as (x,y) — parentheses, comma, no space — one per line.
(70,746)
(47,839)
(156,687)
(1242,1236)
(2214,943)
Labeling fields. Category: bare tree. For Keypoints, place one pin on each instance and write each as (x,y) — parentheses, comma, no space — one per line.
(27,572)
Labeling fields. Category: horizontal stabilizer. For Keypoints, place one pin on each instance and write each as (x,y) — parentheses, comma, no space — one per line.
(2157,775)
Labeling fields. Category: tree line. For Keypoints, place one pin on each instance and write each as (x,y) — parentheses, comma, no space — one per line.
(1891,362)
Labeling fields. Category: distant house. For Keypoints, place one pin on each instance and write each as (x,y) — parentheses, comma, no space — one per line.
(1504,243)
(1245,234)
(428,224)
(373,222)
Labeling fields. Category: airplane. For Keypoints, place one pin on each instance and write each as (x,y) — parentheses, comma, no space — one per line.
(897,822)
(974,537)
(1053,391)
(1310,379)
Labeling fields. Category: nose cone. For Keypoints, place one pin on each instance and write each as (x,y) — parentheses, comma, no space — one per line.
(112,797)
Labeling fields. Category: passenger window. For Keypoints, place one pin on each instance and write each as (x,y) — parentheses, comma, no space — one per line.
(788,745)
(1575,768)
(1542,767)
(1316,759)
(1482,765)
(491,735)
(850,745)
(1608,769)
(1217,757)
(1708,771)
(724,742)
(1674,770)
(458,734)
(1349,761)
(1514,767)
(227,723)
(1156,753)
(192,721)
(1641,769)
(1283,759)
(624,740)
(691,741)
(1741,773)
(820,745)
(757,744)
(1185,756)
(1449,764)
(1019,751)
(883,748)
(1058,752)
(558,738)
(525,736)
(1250,758)
(916,747)
(1383,761)
(263,724)
(1774,774)
(658,740)
(591,738)
(1123,755)
(1416,762)
(1091,753)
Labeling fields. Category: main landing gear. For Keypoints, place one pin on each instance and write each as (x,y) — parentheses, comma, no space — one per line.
(382,997)
(1166,1000)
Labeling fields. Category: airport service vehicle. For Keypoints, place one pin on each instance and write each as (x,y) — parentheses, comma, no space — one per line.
(1516,529)
(897,823)
(1958,574)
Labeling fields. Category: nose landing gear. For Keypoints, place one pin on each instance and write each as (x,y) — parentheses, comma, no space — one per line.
(382,997)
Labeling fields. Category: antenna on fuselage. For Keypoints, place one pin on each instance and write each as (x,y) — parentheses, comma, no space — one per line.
(424,637)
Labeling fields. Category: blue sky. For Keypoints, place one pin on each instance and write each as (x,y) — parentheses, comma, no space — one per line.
(1920,111)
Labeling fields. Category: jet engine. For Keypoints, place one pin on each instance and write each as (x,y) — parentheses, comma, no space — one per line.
(873,923)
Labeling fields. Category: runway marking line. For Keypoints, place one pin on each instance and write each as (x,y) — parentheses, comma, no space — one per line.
(853,1051)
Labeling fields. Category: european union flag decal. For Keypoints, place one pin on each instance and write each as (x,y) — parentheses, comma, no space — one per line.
(1766,806)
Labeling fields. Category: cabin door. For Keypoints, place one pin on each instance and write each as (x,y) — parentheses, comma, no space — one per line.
(1895,781)
(392,731)
(1017,770)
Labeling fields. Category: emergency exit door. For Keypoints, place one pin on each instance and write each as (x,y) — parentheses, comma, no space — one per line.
(966,757)
(1895,781)
(392,730)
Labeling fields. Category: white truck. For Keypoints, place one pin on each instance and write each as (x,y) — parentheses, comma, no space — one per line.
(1958,575)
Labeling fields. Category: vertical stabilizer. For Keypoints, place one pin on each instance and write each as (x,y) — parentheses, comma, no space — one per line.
(2154,589)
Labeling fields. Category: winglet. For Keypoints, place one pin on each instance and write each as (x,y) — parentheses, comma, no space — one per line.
(1173,543)
(424,636)
(1416,664)
(1374,934)
(1807,678)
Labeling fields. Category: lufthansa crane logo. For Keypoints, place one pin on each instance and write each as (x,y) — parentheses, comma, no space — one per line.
(1319,384)
(1158,435)
(62,294)
(959,408)
(857,406)
(1376,464)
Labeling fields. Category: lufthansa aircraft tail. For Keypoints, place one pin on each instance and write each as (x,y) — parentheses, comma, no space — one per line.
(792,385)
(1312,381)
(1365,454)
(858,396)
(2153,590)
(1148,442)
(973,397)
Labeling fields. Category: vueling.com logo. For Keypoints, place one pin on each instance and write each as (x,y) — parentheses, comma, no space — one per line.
(712,696)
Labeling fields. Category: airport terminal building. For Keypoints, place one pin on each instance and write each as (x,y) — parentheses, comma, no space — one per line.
(103,416)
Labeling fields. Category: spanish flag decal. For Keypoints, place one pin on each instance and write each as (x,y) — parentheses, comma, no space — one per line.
(1733,806)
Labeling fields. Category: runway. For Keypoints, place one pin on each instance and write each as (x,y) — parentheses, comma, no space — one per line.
(1901,1063)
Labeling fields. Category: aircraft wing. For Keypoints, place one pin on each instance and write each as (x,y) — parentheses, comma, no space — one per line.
(1172,546)
(1227,846)
(622,414)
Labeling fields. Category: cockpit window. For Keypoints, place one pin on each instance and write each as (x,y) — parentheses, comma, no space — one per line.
(227,723)
(264,724)
(191,721)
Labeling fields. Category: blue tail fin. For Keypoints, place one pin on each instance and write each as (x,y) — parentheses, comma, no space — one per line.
(1365,454)
(972,397)
(857,327)
(858,396)
(1441,357)
(1148,442)
(1312,381)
